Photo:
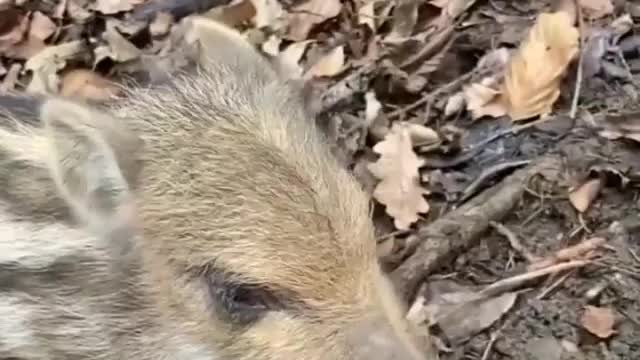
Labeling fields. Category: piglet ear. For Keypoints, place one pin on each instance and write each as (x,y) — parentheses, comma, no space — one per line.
(88,161)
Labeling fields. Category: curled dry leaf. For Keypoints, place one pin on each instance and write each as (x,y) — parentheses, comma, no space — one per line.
(582,197)
(372,107)
(399,188)
(305,16)
(366,15)
(330,64)
(484,100)
(86,84)
(596,9)
(599,321)
(532,82)
(455,104)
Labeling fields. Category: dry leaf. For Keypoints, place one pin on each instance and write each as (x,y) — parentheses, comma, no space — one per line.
(596,9)
(455,104)
(291,55)
(621,126)
(41,26)
(366,15)
(268,13)
(399,187)
(483,100)
(45,65)
(469,318)
(118,48)
(329,65)
(305,16)
(87,84)
(599,321)
(109,7)
(584,195)
(272,45)
(421,135)
(372,107)
(532,83)
(13,29)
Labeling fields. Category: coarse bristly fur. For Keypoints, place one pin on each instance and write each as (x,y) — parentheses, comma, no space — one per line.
(200,220)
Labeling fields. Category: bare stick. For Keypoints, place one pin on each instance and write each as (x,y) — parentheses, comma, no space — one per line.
(576,91)
(569,253)
(514,241)
(513,282)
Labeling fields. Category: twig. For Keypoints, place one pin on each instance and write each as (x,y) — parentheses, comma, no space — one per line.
(569,253)
(508,284)
(460,229)
(576,91)
(442,89)
(488,173)
(555,284)
(492,340)
(514,241)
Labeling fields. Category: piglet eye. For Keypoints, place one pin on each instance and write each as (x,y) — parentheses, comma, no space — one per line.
(240,304)
(250,297)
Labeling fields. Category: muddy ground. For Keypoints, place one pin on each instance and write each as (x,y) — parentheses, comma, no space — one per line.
(498,190)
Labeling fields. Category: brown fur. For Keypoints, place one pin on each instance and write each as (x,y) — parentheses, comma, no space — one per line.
(229,187)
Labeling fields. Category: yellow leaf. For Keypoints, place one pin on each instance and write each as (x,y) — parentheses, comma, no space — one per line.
(399,188)
(532,81)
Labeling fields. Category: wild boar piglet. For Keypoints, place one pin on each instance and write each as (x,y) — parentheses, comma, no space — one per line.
(203,219)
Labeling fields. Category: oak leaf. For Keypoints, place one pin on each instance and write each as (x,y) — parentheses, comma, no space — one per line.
(399,188)
(305,16)
(532,81)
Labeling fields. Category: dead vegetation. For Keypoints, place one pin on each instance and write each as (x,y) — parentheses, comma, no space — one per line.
(498,140)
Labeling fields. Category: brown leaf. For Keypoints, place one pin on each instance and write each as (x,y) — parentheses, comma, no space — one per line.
(399,189)
(330,64)
(305,16)
(584,195)
(13,28)
(41,26)
(87,84)
(598,321)
(595,9)
(366,15)
(532,83)
(109,7)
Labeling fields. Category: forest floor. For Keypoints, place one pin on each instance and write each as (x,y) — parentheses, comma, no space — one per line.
(498,140)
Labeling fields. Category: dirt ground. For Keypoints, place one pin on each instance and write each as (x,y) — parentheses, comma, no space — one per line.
(513,237)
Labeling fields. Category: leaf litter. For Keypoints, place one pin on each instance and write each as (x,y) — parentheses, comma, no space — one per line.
(423,100)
